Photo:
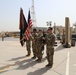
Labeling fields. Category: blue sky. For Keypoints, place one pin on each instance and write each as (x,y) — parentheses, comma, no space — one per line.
(46,10)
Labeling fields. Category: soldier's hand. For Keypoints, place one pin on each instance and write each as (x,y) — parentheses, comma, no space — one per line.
(43,38)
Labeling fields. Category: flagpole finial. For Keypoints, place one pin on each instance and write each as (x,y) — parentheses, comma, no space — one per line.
(20,8)
(29,8)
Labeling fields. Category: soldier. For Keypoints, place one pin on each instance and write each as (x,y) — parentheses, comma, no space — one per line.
(28,45)
(34,36)
(50,41)
(39,43)
(2,37)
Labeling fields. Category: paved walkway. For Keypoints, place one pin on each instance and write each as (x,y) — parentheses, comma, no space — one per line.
(13,61)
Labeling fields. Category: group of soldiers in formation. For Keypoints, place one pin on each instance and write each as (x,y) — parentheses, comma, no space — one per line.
(38,41)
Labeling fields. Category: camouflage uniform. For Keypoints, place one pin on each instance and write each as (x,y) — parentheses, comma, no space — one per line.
(39,46)
(34,46)
(28,45)
(50,40)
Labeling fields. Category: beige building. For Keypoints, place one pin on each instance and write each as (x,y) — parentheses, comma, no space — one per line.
(58,30)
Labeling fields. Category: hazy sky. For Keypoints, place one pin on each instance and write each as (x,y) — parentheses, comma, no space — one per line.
(46,10)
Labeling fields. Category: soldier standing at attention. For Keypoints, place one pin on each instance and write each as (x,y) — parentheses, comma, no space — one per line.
(34,36)
(50,41)
(28,46)
(39,44)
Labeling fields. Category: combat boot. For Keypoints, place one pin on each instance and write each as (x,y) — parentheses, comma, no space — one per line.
(39,60)
(28,55)
(33,57)
(49,65)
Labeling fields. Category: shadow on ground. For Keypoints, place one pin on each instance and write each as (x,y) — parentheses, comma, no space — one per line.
(14,59)
(40,71)
(4,67)
(30,63)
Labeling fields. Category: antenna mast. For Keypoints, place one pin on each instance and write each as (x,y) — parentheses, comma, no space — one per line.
(33,14)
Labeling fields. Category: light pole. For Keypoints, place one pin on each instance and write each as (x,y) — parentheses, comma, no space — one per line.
(54,28)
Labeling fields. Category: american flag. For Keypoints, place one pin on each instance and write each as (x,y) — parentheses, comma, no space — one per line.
(29,26)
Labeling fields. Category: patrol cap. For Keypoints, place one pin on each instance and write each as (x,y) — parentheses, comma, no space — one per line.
(50,28)
(34,30)
(40,30)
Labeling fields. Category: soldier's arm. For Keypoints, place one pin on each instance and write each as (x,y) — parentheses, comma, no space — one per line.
(31,38)
(52,39)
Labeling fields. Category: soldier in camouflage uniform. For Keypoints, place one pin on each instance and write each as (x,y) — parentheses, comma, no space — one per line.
(39,45)
(28,46)
(50,40)
(34,36)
